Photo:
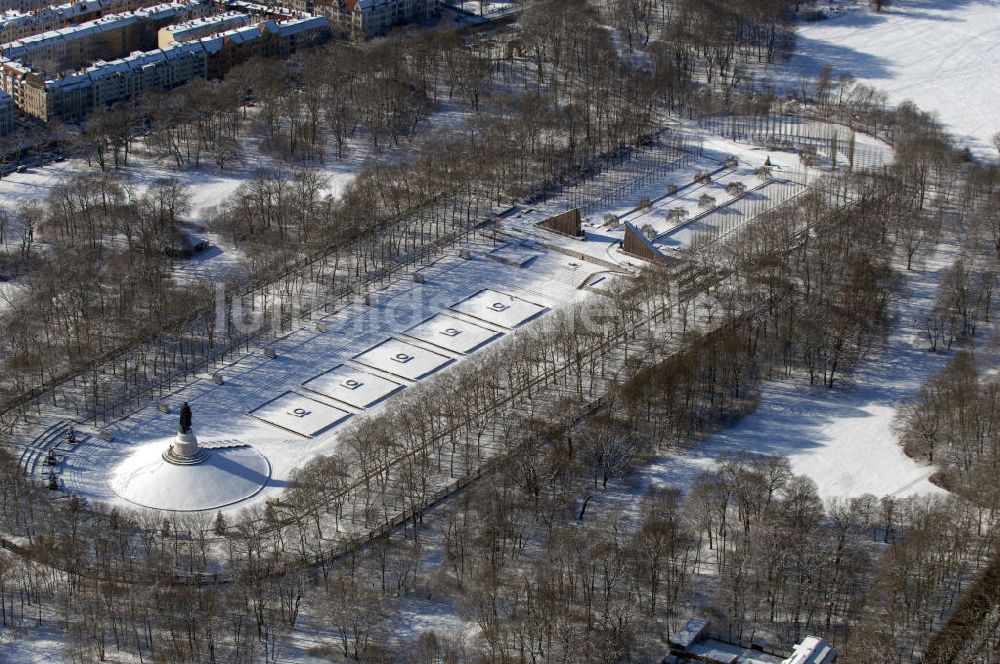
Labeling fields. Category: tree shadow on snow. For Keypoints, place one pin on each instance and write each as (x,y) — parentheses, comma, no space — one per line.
(813,54)
(919,9)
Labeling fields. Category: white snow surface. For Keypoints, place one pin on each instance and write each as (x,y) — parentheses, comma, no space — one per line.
(351,386)
(943,55)
(299,414)
(34,645)
(402,359)
(226,476)
(452,334)
(499,308)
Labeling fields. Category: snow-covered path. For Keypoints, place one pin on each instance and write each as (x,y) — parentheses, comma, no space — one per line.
(942,54)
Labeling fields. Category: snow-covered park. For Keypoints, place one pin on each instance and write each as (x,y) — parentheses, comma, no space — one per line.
(267,413)
(206,185)
(278,412)
(842,438)
(930,51)
(343,379)
(273,411)
(943,55)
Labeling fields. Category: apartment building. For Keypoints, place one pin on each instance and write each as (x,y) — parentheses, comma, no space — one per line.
(364,19)
(105,38)
(72,97)
(16,25)
(23,6)
(287,37)
(201,27)
(13,75)
(228,49)
(6,114)
(263,11)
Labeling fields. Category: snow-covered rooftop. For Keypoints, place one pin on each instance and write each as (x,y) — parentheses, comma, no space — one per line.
(812,650)
(239,35)
(135,61)
(259,8)
(299,25)
(198,26)
(711,650)
(13,19)
(24,47)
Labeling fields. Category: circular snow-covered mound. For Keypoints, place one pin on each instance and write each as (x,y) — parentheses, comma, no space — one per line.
(225,476)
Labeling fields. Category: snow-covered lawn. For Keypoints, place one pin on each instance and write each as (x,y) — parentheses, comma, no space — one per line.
(942,54)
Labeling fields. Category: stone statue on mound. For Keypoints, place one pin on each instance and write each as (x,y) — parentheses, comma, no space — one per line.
(185,423)
(184,450)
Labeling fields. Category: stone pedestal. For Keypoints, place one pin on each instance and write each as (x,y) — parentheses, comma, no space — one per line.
(184,451)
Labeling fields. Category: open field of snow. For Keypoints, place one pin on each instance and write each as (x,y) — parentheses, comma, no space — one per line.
(941,54)
(39,645)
